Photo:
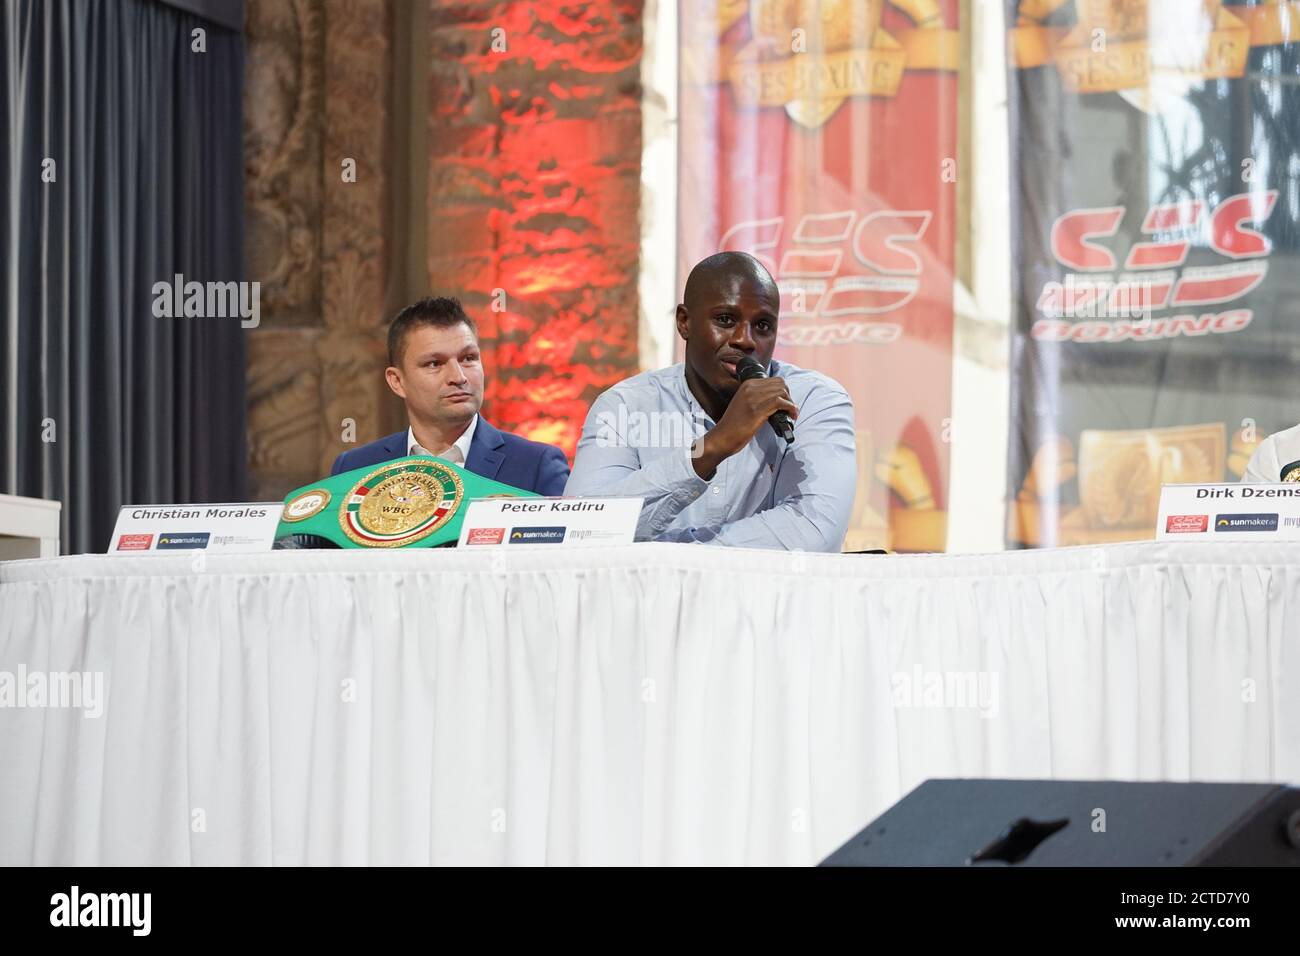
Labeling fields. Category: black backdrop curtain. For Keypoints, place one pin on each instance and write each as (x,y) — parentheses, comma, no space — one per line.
(145,134)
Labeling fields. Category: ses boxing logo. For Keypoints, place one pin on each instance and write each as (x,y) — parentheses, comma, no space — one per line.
(808,269)
(1256,522)
(809,56)
(1187,524)
(135,542)
(1150,52)
(485,536)
(1116,302)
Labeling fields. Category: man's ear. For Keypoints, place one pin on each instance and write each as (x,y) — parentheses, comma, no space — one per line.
(683,321)
(394,379)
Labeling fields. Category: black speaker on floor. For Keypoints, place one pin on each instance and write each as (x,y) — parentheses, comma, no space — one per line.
(1082,823)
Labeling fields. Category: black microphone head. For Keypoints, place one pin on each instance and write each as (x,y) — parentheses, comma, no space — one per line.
(749,367)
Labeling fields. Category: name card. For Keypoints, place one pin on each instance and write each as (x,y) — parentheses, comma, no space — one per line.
(1229,512)
(567,522)
(167,528)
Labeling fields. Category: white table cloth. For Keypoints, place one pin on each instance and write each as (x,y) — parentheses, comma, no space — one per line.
(649,704)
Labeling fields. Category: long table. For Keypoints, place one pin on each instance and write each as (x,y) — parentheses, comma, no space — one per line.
(651,704)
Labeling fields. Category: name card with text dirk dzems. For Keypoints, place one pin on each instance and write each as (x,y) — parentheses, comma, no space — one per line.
(571,522)
(168,528)
(1229,512)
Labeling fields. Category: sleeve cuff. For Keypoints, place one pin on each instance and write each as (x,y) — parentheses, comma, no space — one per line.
(685,484)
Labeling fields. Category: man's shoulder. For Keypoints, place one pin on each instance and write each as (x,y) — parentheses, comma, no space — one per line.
(1286,438)
(371,453)
(1283,447)
(381,446)
(519,446)
(653,380)
(808,382)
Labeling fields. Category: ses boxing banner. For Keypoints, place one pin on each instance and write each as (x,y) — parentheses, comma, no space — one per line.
(1155,153)
(820,136)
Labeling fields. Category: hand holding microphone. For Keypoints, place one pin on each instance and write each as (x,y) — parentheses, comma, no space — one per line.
(758,400)
(748,369)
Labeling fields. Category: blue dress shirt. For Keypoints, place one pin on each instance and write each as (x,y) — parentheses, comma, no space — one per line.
(636,442)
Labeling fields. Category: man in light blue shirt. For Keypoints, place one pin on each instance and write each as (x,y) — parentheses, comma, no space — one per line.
(694,441)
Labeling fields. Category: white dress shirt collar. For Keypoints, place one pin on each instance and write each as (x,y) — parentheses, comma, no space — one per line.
(457,454)
(678,374)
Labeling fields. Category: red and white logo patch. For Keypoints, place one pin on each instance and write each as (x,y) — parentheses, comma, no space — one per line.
(134,542)
(1187,524)
(486,536)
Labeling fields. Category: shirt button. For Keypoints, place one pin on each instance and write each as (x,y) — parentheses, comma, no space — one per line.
(717,490)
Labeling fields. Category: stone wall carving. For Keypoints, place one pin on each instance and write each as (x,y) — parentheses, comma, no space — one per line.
(317,82)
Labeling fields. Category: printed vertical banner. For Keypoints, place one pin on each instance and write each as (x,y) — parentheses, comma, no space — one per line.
(821,137)
(1155,188)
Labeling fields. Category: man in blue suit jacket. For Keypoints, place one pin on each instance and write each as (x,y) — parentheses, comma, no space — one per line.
(435,367)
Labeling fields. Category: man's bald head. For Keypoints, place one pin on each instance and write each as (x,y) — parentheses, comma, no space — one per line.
(722,268)
(729,310)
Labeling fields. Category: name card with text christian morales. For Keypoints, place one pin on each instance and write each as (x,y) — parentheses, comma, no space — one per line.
(165,528)
(572,522)
(1229,512)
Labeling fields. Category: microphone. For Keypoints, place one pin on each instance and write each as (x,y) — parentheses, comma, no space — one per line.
(748,367)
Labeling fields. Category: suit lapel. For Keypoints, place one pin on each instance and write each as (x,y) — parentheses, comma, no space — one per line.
(395,445)
(485,450)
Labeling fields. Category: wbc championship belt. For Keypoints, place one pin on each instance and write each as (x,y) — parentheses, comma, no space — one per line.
(413,502)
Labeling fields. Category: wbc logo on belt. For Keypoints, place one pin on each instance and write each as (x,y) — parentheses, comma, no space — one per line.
(400,504)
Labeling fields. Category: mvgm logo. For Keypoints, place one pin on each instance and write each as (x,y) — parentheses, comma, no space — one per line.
(537,535)
(1262,522)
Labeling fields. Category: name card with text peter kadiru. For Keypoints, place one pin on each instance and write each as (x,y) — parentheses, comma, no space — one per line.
(1229,512)
(165,528)
(571,522)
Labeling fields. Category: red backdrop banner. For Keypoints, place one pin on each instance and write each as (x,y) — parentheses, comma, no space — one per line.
(822,138)
(534,185)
